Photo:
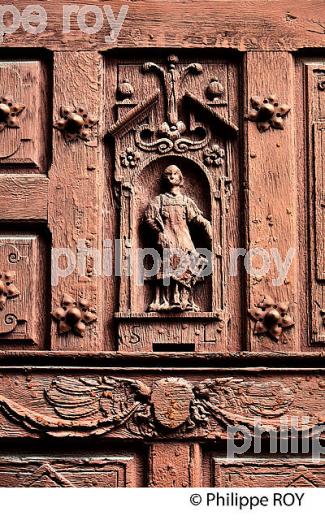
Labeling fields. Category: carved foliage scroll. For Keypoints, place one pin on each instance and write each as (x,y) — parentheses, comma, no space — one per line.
(87,406)
(159,407)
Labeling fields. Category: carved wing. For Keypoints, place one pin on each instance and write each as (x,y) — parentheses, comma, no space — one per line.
(107,399)
(85,406)
(236,398)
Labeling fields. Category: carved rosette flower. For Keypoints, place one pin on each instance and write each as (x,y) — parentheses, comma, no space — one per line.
(75,123)
(214,156)
(173,132)
(271,318)
(129,158)
(73,316)
(9,112)
(267,112)
(8,290)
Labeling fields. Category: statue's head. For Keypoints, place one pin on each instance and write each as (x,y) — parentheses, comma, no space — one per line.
(172,176)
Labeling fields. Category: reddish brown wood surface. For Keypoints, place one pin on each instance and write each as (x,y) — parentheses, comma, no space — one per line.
(107,382)
(289,25)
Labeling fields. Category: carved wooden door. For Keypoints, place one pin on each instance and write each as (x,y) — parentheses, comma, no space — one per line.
(192,146)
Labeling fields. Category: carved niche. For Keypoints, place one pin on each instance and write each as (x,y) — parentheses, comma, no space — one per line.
(172,175)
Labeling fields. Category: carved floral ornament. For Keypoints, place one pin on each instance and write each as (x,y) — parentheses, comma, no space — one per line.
(214,155)
(75,123)
(88,406)
(267,112)
(8,290)
(73,316)
(271,318)
(129,158)
(9,112)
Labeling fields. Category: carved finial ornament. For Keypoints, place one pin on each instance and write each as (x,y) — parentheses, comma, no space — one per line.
(169,135)
(125,90)
(73,316)
(214,90)
(267,112)
(271,318)
(75,123)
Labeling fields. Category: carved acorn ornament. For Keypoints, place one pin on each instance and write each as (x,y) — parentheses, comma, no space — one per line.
(75,123)
(125,90)
(271,318)
(8,290)
(9,112)
(73,316)
(267,112)
(214,90)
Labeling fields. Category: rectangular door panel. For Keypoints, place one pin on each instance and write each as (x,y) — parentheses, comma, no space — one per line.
(69,471)
(249,472)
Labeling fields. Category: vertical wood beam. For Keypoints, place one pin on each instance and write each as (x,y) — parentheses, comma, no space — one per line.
(272,192)
(175,465)
(75,191)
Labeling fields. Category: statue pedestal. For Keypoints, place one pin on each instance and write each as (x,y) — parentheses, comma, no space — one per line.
(170,332)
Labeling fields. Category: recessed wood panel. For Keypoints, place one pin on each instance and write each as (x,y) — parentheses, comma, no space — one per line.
(315,96)
(112,472)
(24,278)
(266,473)
(24,148)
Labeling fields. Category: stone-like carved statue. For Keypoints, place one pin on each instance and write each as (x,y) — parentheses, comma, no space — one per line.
(169,216)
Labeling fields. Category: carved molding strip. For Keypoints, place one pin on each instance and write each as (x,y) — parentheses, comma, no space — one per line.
(88,406)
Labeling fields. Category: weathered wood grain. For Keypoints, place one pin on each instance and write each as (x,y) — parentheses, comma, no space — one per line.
(23,197)
(175,465)
(242,25)
(272,197)
(75,194)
